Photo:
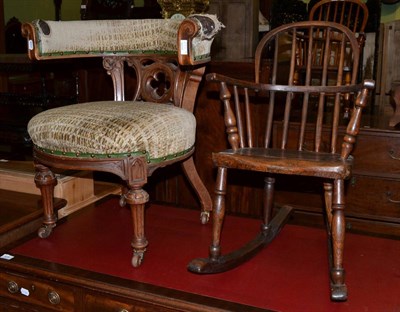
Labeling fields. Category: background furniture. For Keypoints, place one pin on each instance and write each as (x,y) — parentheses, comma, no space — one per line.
(388,66)
(79,189)
(28,89)
(395,119)
(256,147)
(128,139)
(19,218)
(351,13)
(98,10)
(240,37)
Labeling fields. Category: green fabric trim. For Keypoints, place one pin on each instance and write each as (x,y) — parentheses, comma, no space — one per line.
(119,155)
(202,57)
(107,53)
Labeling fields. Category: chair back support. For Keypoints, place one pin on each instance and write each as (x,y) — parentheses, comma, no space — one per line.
(350,13)
(314,103)
(154,48)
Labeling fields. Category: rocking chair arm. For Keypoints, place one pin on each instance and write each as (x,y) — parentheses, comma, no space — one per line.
(213,77)
(354,125)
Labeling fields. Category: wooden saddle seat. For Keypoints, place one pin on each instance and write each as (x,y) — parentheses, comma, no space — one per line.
(258,115)
(129,138)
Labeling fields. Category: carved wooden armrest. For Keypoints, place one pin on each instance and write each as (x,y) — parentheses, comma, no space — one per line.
(190,38)
(353,126)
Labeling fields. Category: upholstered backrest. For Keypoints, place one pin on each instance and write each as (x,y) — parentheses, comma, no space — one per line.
(190,38)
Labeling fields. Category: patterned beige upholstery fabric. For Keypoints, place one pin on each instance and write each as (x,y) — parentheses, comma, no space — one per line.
(106,36)
(116,129)
(60,39)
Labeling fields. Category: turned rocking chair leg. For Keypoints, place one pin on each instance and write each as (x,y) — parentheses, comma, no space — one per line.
(270,228)
(338,286)
(137,199)
(328,188)
(192,175)
(45,180)
(218,213)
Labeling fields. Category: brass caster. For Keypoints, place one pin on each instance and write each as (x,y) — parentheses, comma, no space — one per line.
(137,258)
(45,230)
(122,201)
(204,217)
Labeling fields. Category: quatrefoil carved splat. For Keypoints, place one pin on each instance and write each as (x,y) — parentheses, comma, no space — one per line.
(157,81)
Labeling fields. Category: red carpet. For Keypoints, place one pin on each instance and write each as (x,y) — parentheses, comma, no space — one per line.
(289,275)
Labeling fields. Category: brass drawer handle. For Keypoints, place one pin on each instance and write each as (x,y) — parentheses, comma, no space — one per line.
(13,287)
(54,297)
(391,154)
(389,195)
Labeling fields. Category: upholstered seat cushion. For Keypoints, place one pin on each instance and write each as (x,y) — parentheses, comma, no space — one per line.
(115,129)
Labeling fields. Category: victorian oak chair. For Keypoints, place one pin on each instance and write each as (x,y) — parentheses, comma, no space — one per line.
(315,150)
(130,139)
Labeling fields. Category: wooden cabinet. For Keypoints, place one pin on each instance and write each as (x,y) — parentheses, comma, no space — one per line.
(35,285)
(37,292)
(373,192)
(31,293)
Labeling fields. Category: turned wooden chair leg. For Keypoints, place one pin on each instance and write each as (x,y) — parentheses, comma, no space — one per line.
(338,286)
(45,180)
(328,188)
(192,175)
(217,262)
(218,213)
(137,199)
(269,188)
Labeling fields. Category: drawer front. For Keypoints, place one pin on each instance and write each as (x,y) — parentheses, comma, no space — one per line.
(37,292)
(98,302)
(367,197)
(371,197)
(375,152)
(377,155)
